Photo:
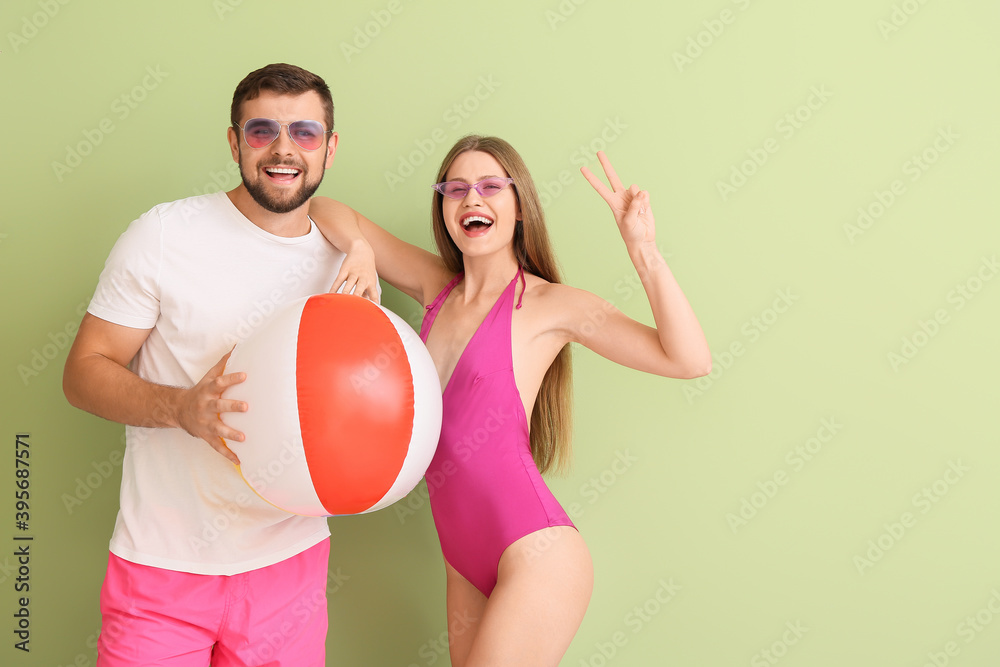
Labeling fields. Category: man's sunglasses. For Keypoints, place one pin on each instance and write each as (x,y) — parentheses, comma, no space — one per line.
(307,134)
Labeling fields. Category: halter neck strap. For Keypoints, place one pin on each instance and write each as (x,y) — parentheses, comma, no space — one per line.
(524,285)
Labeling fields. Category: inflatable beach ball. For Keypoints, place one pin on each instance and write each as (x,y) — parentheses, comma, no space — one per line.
(344,407)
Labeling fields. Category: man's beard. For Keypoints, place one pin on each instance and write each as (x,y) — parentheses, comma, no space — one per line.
(267,201)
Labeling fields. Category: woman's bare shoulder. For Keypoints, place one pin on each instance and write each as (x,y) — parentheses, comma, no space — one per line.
(552,294)
(557,306)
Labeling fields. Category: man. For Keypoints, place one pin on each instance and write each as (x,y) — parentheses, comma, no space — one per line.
(201,569)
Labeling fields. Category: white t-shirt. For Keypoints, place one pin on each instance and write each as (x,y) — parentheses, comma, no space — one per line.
(203,277)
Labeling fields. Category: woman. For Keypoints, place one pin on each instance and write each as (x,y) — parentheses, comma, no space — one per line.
(497,324)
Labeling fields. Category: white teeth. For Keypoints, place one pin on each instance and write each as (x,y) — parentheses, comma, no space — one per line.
(476,218)
(279,170)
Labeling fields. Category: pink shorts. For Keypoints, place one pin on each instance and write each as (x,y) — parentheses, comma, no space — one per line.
(273,616)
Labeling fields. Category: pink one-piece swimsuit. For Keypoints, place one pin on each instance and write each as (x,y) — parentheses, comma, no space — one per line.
(485,489)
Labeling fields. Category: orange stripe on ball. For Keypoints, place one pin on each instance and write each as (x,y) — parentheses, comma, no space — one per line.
(355,397)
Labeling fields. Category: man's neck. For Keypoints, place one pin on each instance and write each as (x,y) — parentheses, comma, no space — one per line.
(291,224)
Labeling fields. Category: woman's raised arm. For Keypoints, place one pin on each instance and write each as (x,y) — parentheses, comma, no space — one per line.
(677,346)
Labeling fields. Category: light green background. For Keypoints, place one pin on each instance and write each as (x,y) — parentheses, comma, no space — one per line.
(557,86)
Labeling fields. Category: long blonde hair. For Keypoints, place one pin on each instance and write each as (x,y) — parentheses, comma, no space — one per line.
(551,418)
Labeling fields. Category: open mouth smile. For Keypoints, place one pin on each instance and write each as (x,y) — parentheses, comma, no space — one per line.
(282,174)
(475,224)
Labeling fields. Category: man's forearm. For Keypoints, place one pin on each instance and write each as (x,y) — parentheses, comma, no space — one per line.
(104,388)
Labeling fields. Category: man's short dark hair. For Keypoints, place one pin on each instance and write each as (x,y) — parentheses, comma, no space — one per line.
(284,80)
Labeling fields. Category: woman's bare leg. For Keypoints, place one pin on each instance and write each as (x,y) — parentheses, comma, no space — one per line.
(544,584)
(465,610)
